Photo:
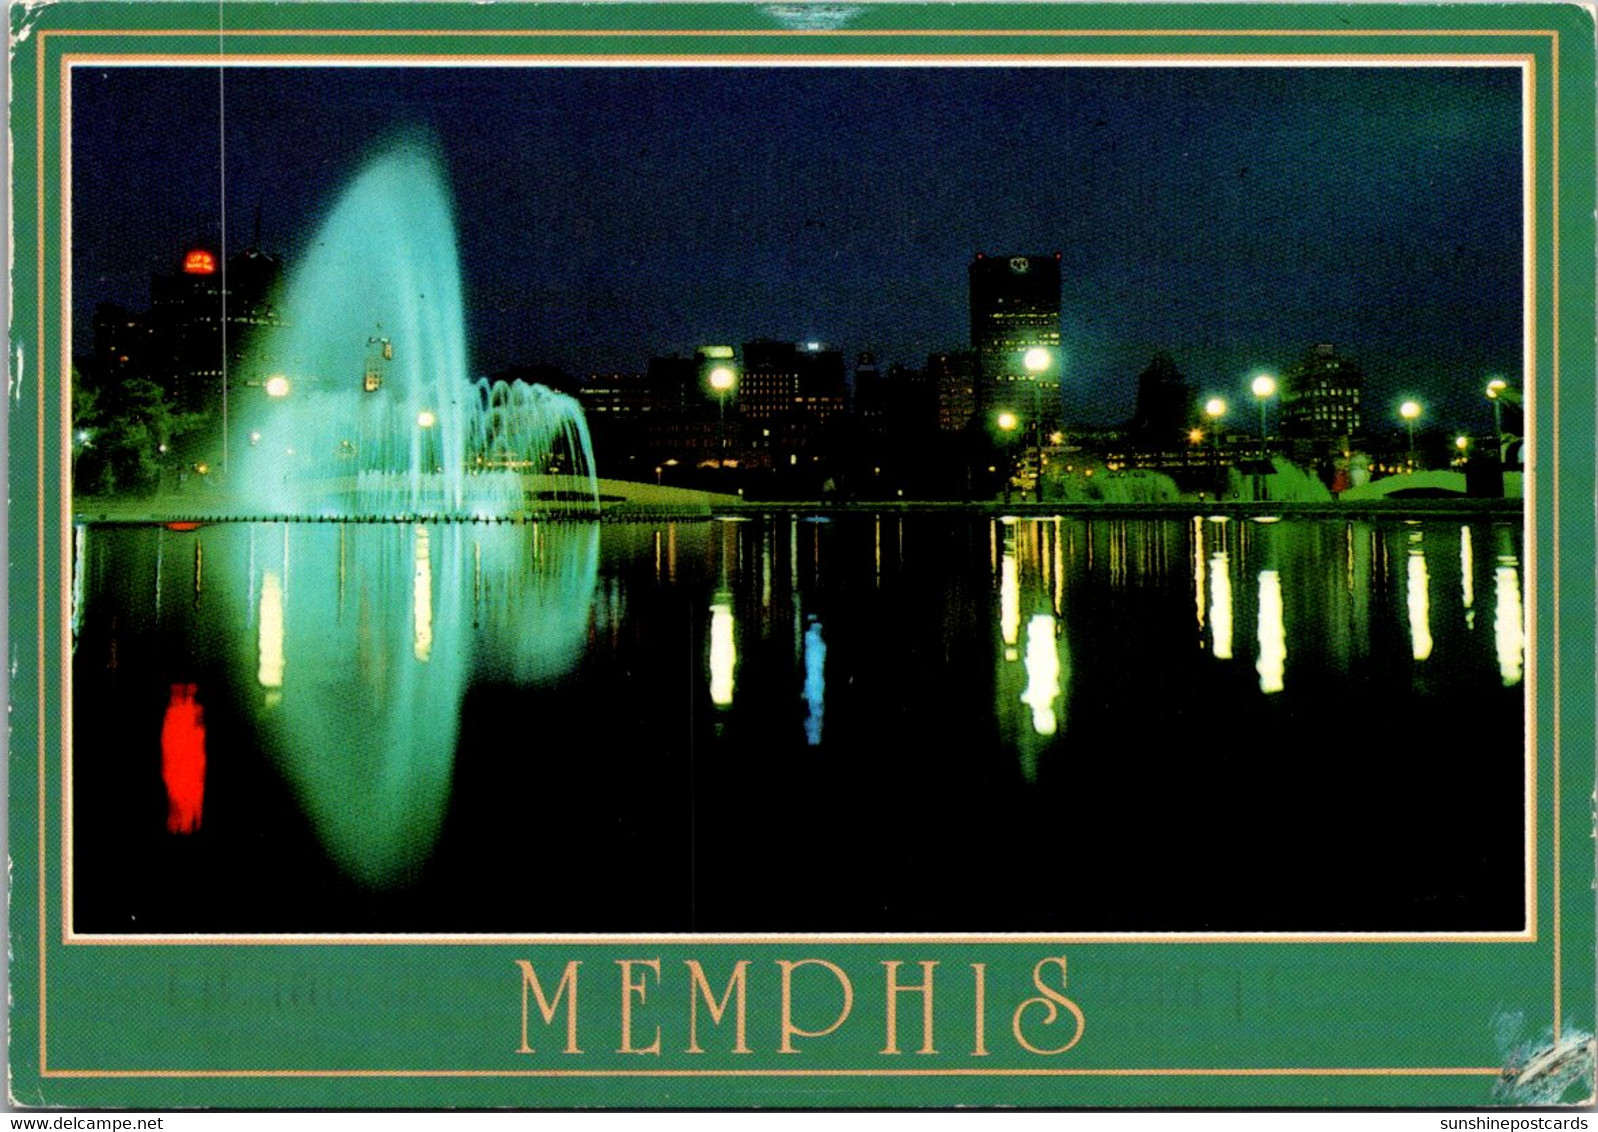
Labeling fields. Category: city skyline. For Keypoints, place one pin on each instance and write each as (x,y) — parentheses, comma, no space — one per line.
(1228,216)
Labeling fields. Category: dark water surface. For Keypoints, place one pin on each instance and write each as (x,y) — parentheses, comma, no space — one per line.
(783,724)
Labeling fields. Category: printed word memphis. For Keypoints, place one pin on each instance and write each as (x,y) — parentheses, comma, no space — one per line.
(647,1007)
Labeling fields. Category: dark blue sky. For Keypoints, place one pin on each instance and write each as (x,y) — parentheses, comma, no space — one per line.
(1233,216)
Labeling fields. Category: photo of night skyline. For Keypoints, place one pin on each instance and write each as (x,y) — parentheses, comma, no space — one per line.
(1230,216)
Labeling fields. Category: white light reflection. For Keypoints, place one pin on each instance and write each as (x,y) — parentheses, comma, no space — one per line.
(723,652)
(270,670)
(1221,605)
(422,597)
(1043,673)
(79,538)
(1009,596)
(1508,634)
(815,682)
(1198,572)
(1418,597)
(1467,576)
(1272,633)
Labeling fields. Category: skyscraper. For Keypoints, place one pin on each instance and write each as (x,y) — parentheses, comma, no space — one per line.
(1015,332)
(1320,400)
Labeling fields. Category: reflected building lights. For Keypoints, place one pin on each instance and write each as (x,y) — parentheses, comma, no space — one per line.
(1009,597)
(1221,605)
(1509,635)
(1272,633)
(815,682)
(1059,569)
(1467,576)
(723,650)
(422,598)
(270,631)
(1198,573)
(1043,673)
(1418,598)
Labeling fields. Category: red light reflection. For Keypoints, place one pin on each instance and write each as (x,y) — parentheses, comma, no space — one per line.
(183,759)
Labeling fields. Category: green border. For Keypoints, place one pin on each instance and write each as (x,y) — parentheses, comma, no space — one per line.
(413,1009)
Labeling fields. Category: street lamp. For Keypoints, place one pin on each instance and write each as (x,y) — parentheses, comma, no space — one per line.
(277,386)
(1215,409)
(1495,390)
(425,420)
(1007,422)
(1264,388)
(1410,410)
(721,380)
(1036,361)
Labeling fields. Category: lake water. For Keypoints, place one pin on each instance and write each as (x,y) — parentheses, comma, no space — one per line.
(908,724)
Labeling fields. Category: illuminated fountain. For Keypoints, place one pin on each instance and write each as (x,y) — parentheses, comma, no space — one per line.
(363,406)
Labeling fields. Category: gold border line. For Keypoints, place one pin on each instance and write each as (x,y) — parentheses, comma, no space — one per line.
(1553,129)
(1529,933)
(43,942)
(1527,60)
(1441,1071)
(776,61)
(802,33)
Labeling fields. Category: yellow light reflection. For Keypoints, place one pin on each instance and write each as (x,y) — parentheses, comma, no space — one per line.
(422,597)
(1198,571)
(1221,605)
(270,628)
(1272,633)
(1418,598)
(1043,673)
(1467,576)
(1508,634)
(1009,595)
(723,651)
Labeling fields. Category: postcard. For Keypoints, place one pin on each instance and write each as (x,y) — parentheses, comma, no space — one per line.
(815,554)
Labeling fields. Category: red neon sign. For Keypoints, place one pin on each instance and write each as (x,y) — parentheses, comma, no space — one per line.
(199,262)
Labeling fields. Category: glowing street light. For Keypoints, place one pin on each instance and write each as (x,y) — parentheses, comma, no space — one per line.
(277,386)
(1263,388)
(1036,360)
(1215,409)
(721,380)
(1410,410)
(1496,388)
(426,419)
(1007,421)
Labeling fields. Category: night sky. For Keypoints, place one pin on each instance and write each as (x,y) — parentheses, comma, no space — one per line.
(1232,216)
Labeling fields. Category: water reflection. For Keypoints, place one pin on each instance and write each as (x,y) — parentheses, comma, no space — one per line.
(723,650)
(815,682)
(1043,673)
(410,694)
(1272,633)
(183,759)
(1221,606)
(422,597)
(1417,596)
(1509,637)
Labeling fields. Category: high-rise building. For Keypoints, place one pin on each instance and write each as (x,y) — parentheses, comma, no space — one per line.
(1320,399)
(790,394)
(208,319)
(1015,331)
(953,378)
